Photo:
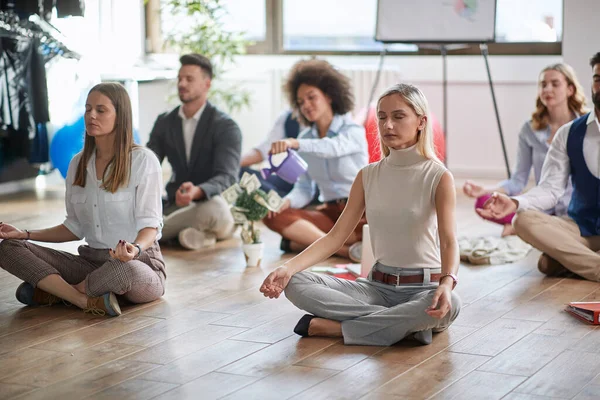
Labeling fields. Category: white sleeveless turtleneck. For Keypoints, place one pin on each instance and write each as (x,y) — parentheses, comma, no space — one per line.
(400,208)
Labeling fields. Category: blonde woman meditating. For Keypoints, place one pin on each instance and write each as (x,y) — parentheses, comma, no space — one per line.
(409,198)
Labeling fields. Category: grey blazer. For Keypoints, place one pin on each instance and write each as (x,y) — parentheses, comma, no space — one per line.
(216,151)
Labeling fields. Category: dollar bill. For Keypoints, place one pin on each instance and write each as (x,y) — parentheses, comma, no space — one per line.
(251,184)
(260,200)
(231,193)
(275,201)
(246,236)
(245,178)
(239,218)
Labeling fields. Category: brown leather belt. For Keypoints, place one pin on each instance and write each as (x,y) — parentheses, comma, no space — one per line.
(392,279)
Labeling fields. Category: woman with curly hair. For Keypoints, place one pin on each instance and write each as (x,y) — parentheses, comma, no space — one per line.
(335,149)
(560,100)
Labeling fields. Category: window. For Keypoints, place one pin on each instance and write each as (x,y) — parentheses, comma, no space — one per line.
(350,26)
(529,21)
(337,26)
(248,16)
(108,32)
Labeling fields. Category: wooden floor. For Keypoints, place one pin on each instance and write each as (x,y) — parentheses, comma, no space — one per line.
(213,335)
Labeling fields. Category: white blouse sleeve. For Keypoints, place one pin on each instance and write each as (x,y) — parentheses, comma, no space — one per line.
(71,222)
(148,201)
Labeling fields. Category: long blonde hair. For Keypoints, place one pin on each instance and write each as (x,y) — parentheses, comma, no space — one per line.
(417,101)
(118,169)
(576,102)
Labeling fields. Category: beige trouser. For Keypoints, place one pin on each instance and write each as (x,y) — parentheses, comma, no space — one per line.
(211,216)
(560,238)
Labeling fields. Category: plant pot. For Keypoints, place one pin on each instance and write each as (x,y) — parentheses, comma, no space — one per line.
(253,253)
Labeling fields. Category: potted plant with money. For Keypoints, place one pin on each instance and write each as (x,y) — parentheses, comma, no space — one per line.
(250,204)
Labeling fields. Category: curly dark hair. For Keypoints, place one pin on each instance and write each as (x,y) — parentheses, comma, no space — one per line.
(330,81)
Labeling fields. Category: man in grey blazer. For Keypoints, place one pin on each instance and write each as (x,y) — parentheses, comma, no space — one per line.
(203,146)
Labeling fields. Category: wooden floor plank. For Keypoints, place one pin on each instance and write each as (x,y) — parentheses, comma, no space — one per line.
(28,317)
(273,331)
(16,361)
(480,385)
(133,389)
(211,386)
(107,329)
(168,328)
(69,365)
(551,302)
(283,385)
(277,356)
(182,345)
(194,365)
(355,381)
(590,392)
(495,337)
(93,381)
(51,331)
(10,391)
(259,314)
(412,352)
(338,357)
(433,375)
(564,376)
(528,355)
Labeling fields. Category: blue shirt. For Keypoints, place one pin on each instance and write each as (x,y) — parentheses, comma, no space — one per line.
(532,150)
(333,161)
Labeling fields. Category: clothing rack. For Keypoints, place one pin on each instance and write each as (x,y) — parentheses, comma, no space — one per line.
(50,39)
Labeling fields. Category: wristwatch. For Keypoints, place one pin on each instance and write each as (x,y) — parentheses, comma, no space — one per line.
(454,278)
(139,249)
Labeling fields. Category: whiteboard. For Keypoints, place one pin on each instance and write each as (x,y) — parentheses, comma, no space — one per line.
(435,21)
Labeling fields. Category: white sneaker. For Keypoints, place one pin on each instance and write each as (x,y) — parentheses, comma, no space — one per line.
(193,239)
(355,252)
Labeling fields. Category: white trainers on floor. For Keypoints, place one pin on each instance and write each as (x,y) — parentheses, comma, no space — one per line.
(193,239)
(355,252)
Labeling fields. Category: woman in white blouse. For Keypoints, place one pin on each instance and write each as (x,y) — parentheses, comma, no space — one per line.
(113,201)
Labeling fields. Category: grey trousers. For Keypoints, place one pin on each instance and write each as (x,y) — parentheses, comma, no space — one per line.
(212,216)
(371,314)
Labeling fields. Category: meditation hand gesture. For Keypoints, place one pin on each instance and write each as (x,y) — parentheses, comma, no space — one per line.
(10,232)
(275,282)
(472,189)
(441,303)
(498,206)
(124,251)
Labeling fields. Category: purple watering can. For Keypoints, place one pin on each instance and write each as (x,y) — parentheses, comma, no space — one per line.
(290,169)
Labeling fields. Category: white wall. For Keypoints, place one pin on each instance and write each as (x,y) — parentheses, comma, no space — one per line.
(581,24)
(473,140)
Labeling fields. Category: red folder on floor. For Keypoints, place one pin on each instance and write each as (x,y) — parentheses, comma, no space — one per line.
(585,311)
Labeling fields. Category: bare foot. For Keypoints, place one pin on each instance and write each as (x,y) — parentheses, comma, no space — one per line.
(324,327)
(508,230)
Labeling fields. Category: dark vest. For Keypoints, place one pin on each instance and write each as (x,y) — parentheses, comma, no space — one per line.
(291,127)
(584,207)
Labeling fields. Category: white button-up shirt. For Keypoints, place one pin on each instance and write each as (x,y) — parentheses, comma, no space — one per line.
(189,128)
(333,161)
(103,218)
(557,169)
